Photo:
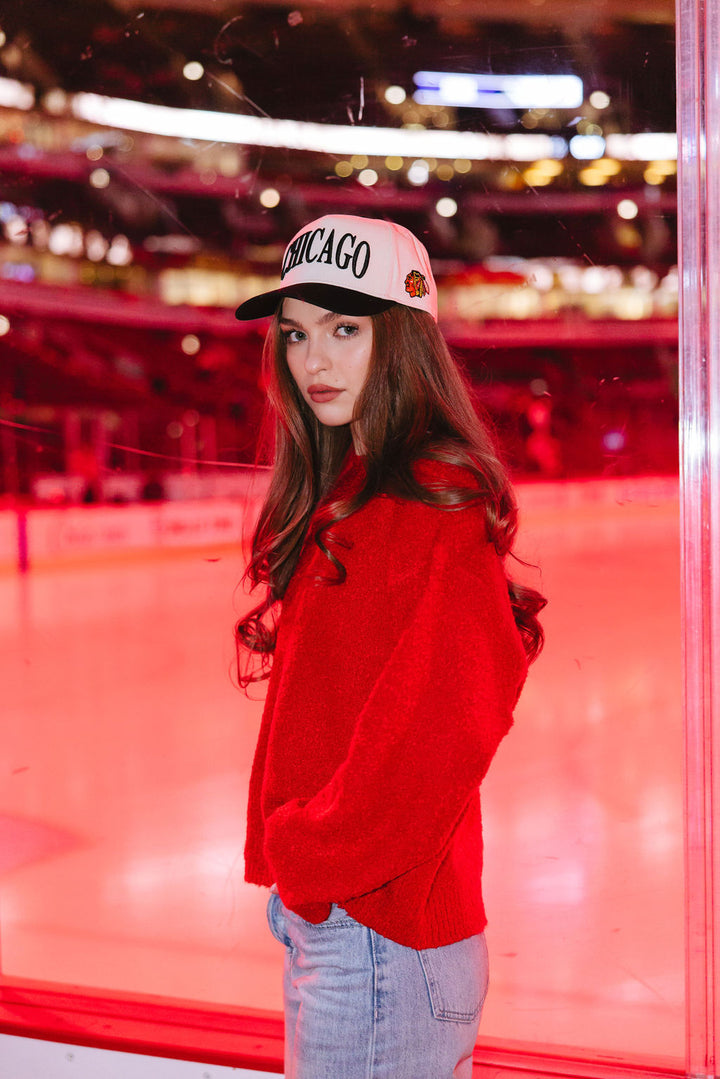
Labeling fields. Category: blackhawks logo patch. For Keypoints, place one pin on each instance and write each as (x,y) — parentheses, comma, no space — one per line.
(416,285)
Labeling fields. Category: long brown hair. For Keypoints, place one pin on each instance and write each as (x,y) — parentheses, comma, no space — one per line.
(415,404)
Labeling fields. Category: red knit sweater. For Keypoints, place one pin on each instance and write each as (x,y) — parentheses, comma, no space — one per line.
(388,697)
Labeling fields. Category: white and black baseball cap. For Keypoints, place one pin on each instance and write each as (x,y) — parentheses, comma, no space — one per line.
(351,265)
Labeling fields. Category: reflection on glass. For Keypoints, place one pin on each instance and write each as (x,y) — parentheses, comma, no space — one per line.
(130,411)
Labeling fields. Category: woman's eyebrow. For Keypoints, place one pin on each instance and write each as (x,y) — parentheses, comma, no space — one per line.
(329,316)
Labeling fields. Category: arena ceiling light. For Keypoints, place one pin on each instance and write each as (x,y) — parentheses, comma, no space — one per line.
(343,140)
(466,90)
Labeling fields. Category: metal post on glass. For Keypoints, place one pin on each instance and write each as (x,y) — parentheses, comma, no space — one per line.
(698,81)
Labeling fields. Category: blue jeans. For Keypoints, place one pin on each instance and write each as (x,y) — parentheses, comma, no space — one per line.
(360,1006)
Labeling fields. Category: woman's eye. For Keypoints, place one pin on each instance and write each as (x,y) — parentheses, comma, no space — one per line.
(293,336)
(347,329)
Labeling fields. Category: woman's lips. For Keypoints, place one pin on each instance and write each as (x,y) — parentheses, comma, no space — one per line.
(320,394)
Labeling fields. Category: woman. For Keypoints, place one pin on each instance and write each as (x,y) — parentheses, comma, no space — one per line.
(397,660)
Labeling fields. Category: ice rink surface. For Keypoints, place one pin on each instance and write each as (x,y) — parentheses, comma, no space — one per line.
(127,748)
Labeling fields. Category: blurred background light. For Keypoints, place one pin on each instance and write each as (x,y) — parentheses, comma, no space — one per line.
(55,101)
(99,178)
(368,177)
(614,441)
(599,99)
(627,209)
(488,91)
(16,230)
(592,177)
(190,344)
(587,147)
(67,239)
(15,95)
(269,198)
(418,173)
(193,71)
(120,253)
(446,207)
(96,246)
(395,95)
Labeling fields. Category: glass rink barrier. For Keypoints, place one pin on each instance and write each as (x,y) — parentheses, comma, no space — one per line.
(130,944)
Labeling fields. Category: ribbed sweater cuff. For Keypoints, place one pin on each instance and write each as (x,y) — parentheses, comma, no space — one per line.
(257,871)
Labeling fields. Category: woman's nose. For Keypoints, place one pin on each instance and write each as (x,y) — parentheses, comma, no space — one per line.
(315,357)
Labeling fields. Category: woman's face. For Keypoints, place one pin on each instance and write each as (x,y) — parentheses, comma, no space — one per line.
(328,356)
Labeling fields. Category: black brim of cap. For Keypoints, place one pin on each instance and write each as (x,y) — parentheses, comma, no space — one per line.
(332,297)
